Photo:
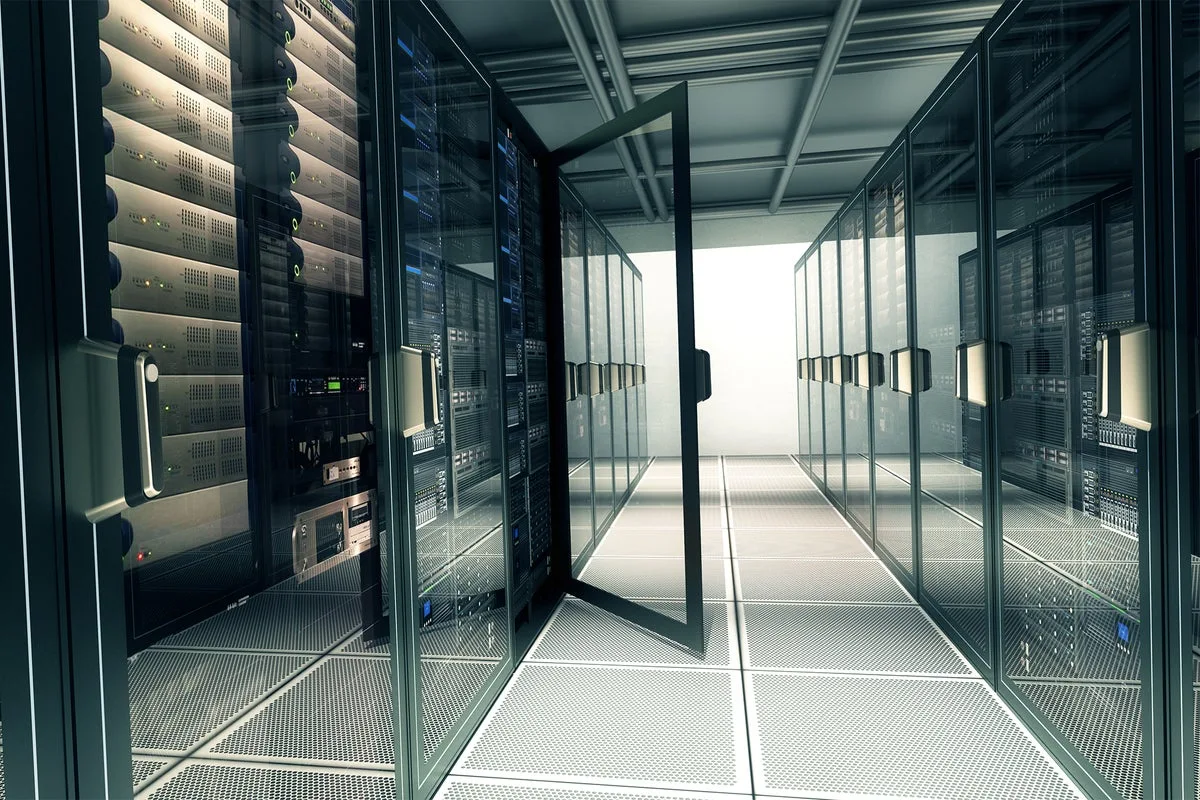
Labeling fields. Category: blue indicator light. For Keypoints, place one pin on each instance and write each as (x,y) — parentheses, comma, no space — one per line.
(508,300)
(411,196)
(427,609)
(413,270)
(516,532)
(505,250)
(408,122)
(500,147)
(403,46)
(504,199)
(1123,631)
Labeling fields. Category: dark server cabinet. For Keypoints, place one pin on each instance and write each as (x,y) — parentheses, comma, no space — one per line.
(854,369)
(462,345)
(944,142)
(1069,294)
(888,210)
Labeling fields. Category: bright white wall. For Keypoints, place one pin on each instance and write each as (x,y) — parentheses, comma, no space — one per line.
(746,319)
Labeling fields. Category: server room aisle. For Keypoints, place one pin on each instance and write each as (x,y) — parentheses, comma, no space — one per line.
(821,678)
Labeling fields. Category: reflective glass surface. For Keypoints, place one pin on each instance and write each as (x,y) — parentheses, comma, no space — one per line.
(887,221)
(851,231)
(617,377)
(803,381)
(1188,18)
(945,219)
(816,391)
(831,346)
(1067,272)
(575,332)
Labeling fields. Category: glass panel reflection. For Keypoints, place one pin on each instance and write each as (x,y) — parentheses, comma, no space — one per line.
(1073,503)
(851,232)
(831,346)
(616,373)
(598,356)
(816,392)
(802,373)
(945,218)
(575,332)
(887,218)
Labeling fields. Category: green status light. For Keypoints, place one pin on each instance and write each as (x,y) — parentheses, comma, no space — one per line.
(333,386)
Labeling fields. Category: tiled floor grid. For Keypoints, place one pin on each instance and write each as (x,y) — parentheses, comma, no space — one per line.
(821,678)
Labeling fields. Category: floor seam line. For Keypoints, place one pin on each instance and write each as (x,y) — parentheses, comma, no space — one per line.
(738,627)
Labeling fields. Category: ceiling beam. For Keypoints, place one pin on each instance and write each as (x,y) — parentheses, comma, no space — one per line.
(835,40)
(581,48)
(811,204)
(739,164)
(755,35)
(611,48)
(555,92)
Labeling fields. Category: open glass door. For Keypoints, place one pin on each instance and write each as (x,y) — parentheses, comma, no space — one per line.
(644,561)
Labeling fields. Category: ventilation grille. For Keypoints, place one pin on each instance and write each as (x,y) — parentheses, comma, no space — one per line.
(291,622)
(237,782)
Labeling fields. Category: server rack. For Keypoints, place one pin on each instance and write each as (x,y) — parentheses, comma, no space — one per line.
(1038,498)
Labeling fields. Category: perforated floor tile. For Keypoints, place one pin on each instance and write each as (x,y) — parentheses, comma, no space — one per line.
(291,622)
(656,578)
(829,581)
(339,713)
(582,632)
(456,788)
(666,518)
(861,736)
(356,646)
(800,543)
(659,544)
(784,517)
(1104,722)
(591,724)
(447,689)
(223,781)
(146,768)
(178,698)
(894,640)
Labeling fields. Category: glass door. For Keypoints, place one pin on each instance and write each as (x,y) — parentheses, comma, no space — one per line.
(222,371)
(856,365)
(887,230)
(1074,437)
(816,367)
(949,321)
(831,346)
(662,516)
(803,368)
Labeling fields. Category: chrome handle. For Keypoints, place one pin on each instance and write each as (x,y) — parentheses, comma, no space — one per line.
(594,378)
(841,370)
(970,372)
(801,369)
(144,379)
(868,369)
(911,371)
(1123,358)
(420,409)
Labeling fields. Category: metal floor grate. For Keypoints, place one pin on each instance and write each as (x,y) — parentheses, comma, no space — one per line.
(214,781)
(895,640)
(656,578)
(456,788)
(581,632)
(357,647)
(177,698)
(447,689)
(666,518)
(146,768)
(659,544)
(857,736)
(827,580)
(344,578)
(785,517)
(804,498)
(339,713)
(1103,722)
(287,622)
(591,723)
(800,543)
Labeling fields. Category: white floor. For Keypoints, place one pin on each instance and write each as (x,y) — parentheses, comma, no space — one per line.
(821,678)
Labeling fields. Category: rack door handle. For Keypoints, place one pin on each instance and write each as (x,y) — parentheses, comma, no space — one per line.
(703,376)
(868,369)
(1123,372)
(420,407)
(124,384)
(801,369)
(970,373)
(571,381)
(595,378)
(911,371)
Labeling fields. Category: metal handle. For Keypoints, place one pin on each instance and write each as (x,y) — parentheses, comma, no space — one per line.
(572,381)
(123,383)
(593,382)
(911,372)
(616,376)
(418,374)
(703,376)
(801,369)
(970,372)
(1123,358)
(817,369)
(868,369)
(841,370)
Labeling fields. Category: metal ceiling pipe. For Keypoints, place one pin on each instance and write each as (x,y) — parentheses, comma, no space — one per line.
(835,40)
(722,166)
(756,34)
(551,92)
(587,65)
(611,49)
